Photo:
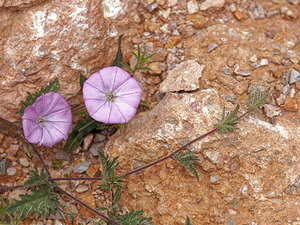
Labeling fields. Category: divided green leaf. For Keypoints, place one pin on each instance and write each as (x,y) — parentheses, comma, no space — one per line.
(37,178)
(118,59)
(51,87)
(256,99)
(41,202)
(227,123)
(79,132)
(187,159)
(187,221)
(82,80)
(134,218)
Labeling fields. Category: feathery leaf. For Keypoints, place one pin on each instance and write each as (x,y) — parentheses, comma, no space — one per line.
(187,159)
(256,99)
(227,123)
(187,221)
(37,178)
(134,218)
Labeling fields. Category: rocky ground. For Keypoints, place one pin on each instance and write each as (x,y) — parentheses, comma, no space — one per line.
(210,54)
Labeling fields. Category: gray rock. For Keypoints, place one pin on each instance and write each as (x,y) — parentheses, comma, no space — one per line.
(294,76)
(256,10)
(99,138)
(11,171)
(96,148)
(159,96)
(24,162)
(62,155)
(82,188)
(81,167)
(240,71)
(230,221)
(192,6)
(3,166)
(213,179)
(272,110)
(213,156)
(286,90)
(13,150)
(212,47)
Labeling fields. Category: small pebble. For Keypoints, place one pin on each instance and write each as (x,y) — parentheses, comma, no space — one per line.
(99,138)
(82,188)
(230,221)
(271,110)
(13,150)
(96,148)
(62,155)
(291,104)
(11,171)
(294,76)
(213,179)
(213,156)
(87,141)
(192,6)
(212,47)
(81,167)
(3,166)
(24,162)
(240,71)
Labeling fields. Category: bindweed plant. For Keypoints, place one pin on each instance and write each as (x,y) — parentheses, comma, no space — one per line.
(111,96)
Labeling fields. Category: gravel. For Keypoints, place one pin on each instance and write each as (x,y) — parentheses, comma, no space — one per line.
(81,167)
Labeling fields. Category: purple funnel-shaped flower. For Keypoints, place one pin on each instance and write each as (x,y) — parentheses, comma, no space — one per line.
(48,120)
(111,95)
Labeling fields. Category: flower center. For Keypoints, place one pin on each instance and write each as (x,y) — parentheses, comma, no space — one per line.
(110,97)
(41,121)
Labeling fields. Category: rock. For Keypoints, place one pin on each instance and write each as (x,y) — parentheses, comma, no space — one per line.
(82,188)
(213,179)
(55,40)
(262,62)
(4,163)
(155,67)
(213,156)
(81,167)
(62,155)
(87,141)
(198,21)
(13,150)
(286,90)
(155,80)
(15,194)
(192,6)
(240,71)
(238,15)
(256,10)
(212,47)
(99,138)
(96,148)
(93,171)
(230,221)
(11,171)
(172,41)
(211,3)
(89,199)
(252,165)
(294,76)
(291,104)
(271,110)
(183,77)
(159,96)
(24,162)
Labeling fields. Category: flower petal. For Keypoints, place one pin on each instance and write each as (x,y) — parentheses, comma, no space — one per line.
(91,92)
(124,110)
(130,86)
(102,113)
(46,139)
(130,99)
(95,80)
(32,131)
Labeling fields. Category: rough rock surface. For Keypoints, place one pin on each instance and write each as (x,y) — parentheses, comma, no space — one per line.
(184,77)
(251,171)
(41,40)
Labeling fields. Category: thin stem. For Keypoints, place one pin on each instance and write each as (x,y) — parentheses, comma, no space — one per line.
(12,187)
(75,178)
(181,148)
(78,107)
(87,206)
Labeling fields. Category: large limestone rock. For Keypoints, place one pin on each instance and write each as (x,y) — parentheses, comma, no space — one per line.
(250,176)
(41,40)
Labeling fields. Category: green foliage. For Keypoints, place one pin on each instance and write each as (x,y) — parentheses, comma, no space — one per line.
(109,180)
(79,132)
(82,80)
(227,123)
(256,99)
(14,220)
(51,87)
(141,59)
(56,164)
(42,201)
(187,159)
(187,221)
(118,59)
(36,178)
(134,218)
(143,104)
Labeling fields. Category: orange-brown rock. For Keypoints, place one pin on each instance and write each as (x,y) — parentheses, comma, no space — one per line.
(197,20)
(291,104)
(172,41)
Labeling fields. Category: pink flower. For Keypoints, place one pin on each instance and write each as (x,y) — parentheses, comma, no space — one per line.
(111,95)
(48,120)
